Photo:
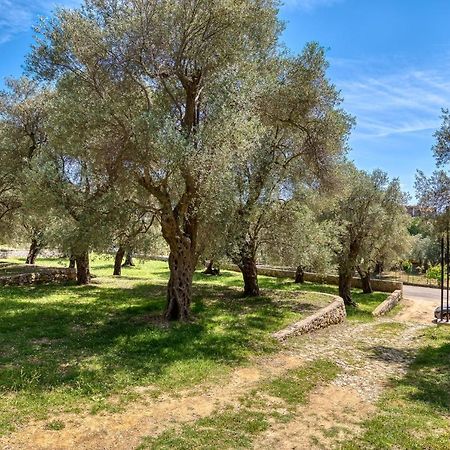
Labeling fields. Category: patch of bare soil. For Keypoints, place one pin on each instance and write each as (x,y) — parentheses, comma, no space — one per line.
(420,311)
(332,413)
(125,430)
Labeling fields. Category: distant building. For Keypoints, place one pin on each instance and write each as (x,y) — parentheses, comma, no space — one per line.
(418,211)
(414,210)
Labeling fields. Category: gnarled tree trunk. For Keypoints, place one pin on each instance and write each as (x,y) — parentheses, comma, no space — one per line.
(300,275)
(365,281)
(345,285)
(379,269)
(210,269)
(250,276)
(118,261)
(129,259)
(33,252)
(83,273)
(72,261)
(181,265)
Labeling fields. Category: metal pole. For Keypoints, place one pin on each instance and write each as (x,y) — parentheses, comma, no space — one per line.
(442,276)
(448,270)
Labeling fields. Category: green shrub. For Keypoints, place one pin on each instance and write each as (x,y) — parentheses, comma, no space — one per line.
(407,266)
(434,273)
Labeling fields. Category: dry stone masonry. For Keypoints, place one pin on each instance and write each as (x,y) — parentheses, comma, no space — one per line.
(46,276)
(332,314)
(288,272)
(390,303)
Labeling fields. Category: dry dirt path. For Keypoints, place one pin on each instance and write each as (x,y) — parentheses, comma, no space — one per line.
(369,354)
(125,430)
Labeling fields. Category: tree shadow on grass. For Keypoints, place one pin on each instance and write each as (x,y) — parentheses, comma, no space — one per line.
(428,378)
(89,339)
(391,354)
(366,303)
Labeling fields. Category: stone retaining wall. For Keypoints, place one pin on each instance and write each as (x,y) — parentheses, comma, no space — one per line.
(288,272)
(332,314)
(390,303)
(46,276)
(377,285)
(7,253)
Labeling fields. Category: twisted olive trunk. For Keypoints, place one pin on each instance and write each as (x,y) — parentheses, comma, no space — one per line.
(345,285)
(33,252)
(346,270)
(250,276)
(179,288)
(365,281)
(129,259)
(300,275)
(82,264)
(118,261)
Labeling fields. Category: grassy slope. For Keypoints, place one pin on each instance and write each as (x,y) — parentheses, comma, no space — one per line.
(66,346)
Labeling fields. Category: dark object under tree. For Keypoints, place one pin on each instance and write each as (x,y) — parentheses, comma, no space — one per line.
(300,275)
(210,269)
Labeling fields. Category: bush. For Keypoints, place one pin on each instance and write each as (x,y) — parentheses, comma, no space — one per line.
(434,273)
(407,266)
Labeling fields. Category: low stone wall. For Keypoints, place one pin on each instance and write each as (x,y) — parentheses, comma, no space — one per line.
(156,257)
(289,272)
(377,285)
(332,314)
(46,276)
(7,253)
(390,303)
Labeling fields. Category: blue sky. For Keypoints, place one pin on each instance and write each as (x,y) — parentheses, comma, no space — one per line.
(390,59)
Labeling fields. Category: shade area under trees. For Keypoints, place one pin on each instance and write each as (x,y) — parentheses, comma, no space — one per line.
(185,127)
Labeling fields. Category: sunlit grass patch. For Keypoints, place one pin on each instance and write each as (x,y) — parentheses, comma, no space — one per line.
(389,328)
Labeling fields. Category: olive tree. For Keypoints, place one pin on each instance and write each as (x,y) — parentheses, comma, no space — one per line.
(134,229)
(367,204)
(300,137)
(168,79)
(299,237)
(425,250)
(10,168)
(22,113)
(434,194)
(389,241)
(80,173)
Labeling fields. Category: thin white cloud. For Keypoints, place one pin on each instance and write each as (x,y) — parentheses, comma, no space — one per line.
(396,102)
(309,5)
(18,16)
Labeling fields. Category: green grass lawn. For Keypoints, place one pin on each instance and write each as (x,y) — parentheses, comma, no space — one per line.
(71,347)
